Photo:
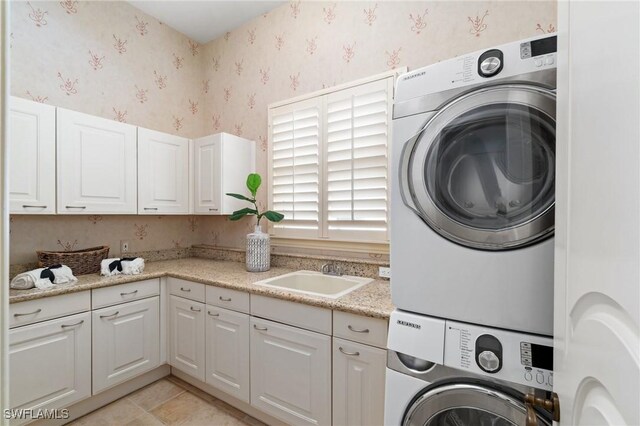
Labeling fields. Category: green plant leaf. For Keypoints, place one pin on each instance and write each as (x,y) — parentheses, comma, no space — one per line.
(253,183)
(241,197)
(273,216)
(239,214)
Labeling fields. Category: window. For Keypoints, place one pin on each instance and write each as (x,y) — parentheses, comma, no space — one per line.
(329,163)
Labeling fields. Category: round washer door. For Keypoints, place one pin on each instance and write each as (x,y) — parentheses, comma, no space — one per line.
(468,404)
(481,172)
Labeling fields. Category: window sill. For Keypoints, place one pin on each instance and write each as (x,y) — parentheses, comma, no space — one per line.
(374,247)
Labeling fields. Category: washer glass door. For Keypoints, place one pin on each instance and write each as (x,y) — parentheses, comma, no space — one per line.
(468,404)
(482,171)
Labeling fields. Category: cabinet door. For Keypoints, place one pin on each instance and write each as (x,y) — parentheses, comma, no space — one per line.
(96,165)
(126,342)
(227,351)
(50,363)
(187,336)
(290,373)
(358,383)
(163,173)
(32,162)
(207,172)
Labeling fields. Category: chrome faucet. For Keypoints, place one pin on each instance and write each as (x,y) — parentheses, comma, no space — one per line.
(332,269)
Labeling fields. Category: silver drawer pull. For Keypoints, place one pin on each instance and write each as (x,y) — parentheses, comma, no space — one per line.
(37,311)
(195,310)
(213,210)
(151,208)
(349,353)
(213,315)
(225,299)
(75,207)
(109,316)
(27,206)
(185,289)
(128,293)
(71,325)
(259,328)
(358,330)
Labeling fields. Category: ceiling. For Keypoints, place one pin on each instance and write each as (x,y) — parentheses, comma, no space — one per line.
(204,21)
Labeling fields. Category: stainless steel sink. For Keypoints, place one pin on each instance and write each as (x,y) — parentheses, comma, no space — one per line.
(316,283)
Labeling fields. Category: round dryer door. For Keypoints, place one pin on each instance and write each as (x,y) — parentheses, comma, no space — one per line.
(469,404)
(481,172)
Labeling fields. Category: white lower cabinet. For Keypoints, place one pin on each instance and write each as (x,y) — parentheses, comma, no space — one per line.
(227,351)
(290,373)
(50,363)
(126,342)
(358,384)
(187,336)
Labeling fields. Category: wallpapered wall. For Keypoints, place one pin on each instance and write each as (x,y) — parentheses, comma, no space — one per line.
(112,60)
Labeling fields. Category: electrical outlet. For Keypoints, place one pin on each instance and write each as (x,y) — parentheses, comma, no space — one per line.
(124,246)
(384,272)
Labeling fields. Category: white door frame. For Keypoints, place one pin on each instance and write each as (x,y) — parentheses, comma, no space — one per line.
(4,203)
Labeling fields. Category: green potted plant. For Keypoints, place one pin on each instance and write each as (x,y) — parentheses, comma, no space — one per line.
(258,242)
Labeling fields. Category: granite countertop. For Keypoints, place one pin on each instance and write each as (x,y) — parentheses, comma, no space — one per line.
(373,299)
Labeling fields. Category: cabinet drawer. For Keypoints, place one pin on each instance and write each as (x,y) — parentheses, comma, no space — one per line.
(226,298)
(297,314)
(372,331)
(31,311)
(186,289)
(124,293)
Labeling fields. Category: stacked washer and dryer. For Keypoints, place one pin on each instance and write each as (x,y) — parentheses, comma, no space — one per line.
(471,239)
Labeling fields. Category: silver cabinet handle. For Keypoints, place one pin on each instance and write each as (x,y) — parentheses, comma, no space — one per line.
(27,206)
(259,328)
(109,316)
(195,310)
(71,325)
(224,299)
(358,330)
(213,210)
(37,311)
(185,289)
(213,315)
(128,293)
(75,207)
(151,208)
(349,353)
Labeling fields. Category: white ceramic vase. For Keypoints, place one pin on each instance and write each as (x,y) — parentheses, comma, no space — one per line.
(258,251)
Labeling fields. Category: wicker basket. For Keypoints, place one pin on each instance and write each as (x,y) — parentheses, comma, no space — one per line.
(86,261)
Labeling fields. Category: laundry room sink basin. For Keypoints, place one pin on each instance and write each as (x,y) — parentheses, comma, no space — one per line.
(316,283)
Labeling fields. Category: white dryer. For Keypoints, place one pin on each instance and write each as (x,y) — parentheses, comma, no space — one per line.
(472,203)
(446,373)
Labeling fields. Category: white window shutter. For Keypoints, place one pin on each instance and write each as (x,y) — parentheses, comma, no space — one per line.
(356,168)
(295,138)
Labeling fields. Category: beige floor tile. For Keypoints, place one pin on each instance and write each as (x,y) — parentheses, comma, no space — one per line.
(251,421)
(117,413)
(211,415)
(230,409)
(179,409)
(155,394)
(147,419)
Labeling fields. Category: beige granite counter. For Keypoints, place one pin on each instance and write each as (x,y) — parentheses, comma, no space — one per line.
(373,299)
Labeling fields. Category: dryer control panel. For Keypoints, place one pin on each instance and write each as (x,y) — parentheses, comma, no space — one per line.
(516,357)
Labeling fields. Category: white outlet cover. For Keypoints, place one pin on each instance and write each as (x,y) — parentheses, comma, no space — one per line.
(124,246)
(384,272)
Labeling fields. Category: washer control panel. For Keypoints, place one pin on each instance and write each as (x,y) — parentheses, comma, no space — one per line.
(517,357)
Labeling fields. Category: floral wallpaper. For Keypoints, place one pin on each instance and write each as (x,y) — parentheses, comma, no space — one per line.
(110,59)
(107,59)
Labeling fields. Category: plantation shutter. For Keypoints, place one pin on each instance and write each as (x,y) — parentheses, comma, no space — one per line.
(295,137)
(356,167)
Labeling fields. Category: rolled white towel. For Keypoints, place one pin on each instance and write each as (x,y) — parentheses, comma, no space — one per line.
(63,275)
(30,279)
(104,267)
(133,267)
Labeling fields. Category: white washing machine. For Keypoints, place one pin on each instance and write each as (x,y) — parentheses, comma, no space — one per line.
(447,373)
(472,203)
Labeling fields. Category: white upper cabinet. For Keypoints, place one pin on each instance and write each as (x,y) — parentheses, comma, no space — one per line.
(222,163)
(32,162)
(163,173)
(96,165)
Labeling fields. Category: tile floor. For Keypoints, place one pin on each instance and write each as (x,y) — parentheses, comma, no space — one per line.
(169,401)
